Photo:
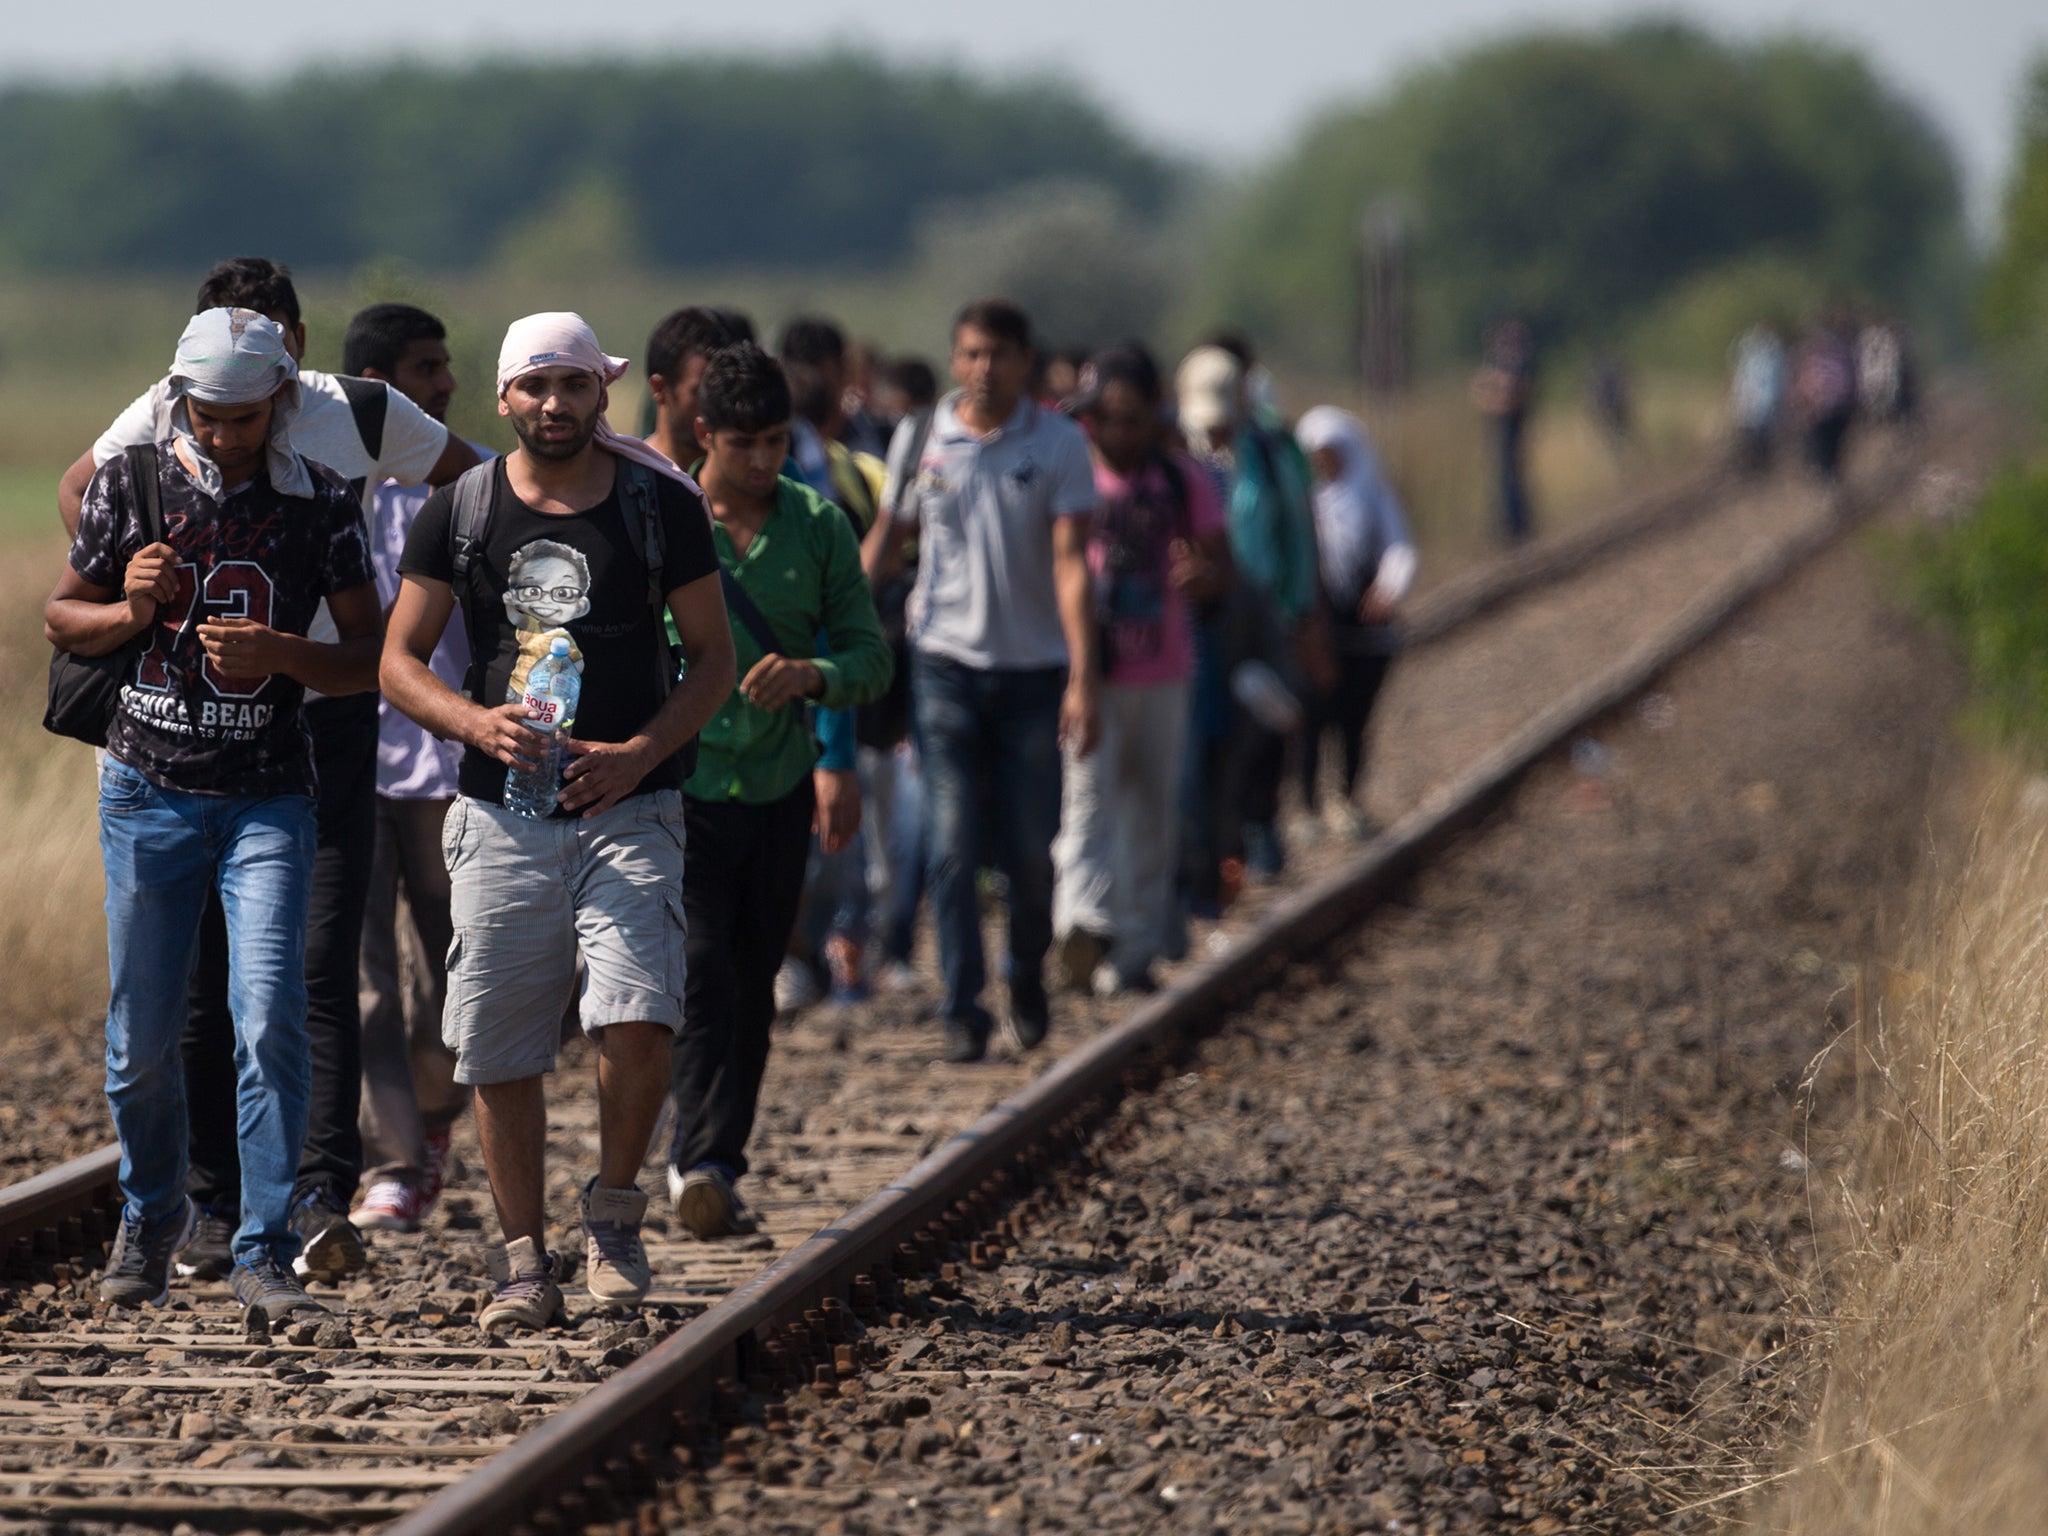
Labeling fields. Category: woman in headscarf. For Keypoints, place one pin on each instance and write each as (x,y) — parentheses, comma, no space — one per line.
(1366,561)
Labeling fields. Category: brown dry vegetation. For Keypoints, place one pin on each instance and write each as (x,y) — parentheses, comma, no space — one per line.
(51,928)
(1928,1412)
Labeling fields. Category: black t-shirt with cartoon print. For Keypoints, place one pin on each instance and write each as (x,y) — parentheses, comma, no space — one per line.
(254,553)
(582,575)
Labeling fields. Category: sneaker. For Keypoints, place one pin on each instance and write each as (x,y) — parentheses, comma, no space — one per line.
(209,1253)
(796,988)
(849,975)
(1347,821)
(1025,1022)
(1109,982)
(390,1207)
(1304,832)
(330,1248)
(138,1272)
(1076,955)
(265,1283)
(897,976)
(613,1252)
(527,1296)
(709,1205)
(436,1170)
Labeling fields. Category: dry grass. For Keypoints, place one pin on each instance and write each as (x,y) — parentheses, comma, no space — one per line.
(53,930)
(1928,1413)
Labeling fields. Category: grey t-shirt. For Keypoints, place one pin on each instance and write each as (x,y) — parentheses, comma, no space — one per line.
(985,508)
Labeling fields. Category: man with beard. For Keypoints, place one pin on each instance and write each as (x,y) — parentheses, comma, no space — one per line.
(604,873)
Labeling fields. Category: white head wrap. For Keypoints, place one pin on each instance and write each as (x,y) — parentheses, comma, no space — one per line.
(238,357)
(1358,518)
(562,339)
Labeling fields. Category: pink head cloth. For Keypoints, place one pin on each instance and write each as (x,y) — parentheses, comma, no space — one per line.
(562,339)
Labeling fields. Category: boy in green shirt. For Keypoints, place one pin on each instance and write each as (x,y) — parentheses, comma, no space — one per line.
(791,571)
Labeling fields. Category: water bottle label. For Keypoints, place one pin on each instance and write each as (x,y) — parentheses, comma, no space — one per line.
(544,709)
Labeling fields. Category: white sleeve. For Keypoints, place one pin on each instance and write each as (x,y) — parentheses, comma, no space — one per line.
(413,441)
(133,427)
(1397,573)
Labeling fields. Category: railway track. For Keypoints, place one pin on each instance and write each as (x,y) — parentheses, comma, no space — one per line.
(403,1411)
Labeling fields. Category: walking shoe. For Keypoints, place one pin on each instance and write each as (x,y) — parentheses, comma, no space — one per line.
(209,1253)
(613,1253)
(436,1168)
(390,1206)
(965,1043)
(330,1248)
(1347,821)
(709,1205)
(897,976)
(526,1295)
(1112,983)
(1304,831)
(1025,1022)
(265,1283)
(849,975)
(796,987)
(1076,955)
(138,1272)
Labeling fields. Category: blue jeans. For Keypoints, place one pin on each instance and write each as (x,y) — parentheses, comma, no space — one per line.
(163,850)
(989,745)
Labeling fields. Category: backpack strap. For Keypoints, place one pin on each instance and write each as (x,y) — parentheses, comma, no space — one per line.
(906,477)
(144,470)
(640,498)
(369,401)
(475,494)
(742,606)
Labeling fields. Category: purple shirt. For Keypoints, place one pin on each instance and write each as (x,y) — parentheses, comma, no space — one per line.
(411,764)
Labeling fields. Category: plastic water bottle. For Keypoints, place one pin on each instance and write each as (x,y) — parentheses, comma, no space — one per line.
(552,689)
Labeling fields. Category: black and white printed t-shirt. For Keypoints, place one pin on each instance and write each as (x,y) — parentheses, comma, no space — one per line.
(581,576)
(253,554)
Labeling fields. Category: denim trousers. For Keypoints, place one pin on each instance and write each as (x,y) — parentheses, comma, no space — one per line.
(988,742)
(164,851)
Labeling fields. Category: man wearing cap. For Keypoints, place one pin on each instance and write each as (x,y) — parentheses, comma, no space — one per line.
(582,534)
(208,779)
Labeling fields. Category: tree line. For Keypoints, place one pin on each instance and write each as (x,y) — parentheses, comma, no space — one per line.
(828,161)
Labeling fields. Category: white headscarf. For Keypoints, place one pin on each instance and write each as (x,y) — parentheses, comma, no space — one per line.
(238,357)
(562,339)
(1359,522)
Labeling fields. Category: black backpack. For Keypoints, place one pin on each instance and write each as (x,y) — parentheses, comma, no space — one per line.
(85,691)
(469,529)
(886,721)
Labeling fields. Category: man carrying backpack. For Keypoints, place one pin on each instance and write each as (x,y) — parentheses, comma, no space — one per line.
(367,433)
(216,544)
(585,540)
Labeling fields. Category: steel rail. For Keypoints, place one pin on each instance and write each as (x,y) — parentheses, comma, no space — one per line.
(595,1458)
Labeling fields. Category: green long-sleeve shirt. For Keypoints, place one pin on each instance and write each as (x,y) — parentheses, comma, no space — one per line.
(803,572)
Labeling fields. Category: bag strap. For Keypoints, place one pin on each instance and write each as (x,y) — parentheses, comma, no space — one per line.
(469,528)
(144,470)
(640,496)
(743,607)
(906,477)
(369,401)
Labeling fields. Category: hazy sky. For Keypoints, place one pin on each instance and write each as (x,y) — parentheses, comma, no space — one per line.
(1228,81)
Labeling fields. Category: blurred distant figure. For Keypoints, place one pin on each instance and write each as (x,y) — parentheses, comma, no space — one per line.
(1756,395)
(1884,379)
(1062,379)
(1611,399)
(1159,545)
(818,343)
(1824,386)
(678,351)
(1501,390)
(1366,559)
(903,387)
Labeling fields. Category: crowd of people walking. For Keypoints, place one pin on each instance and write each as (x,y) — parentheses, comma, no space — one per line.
(821,649)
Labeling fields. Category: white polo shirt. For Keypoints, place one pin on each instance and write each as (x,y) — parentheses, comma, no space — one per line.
(985,508)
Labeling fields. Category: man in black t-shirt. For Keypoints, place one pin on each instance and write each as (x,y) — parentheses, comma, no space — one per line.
(570,520)
(208,779)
